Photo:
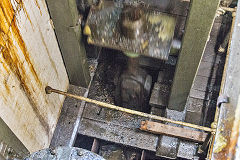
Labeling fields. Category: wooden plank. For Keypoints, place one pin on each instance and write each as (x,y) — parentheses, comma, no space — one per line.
(160,128)
(68,31)
(30,60)
(199,24)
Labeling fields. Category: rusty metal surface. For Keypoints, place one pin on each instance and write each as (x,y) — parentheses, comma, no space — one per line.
(227,136)
(103,22)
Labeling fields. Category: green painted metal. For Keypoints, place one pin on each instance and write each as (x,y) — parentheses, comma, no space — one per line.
(199,24)
(116,26)
(65,18)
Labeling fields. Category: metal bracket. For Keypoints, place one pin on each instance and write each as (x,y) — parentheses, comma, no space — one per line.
(222,99)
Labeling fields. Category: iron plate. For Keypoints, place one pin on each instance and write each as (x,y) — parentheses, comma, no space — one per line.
(155,41)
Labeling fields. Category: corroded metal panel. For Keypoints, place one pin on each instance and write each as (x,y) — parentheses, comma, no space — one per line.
(226,145)
(104,27)
(29,60)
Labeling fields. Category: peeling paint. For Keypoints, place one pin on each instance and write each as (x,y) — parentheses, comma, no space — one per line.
(222,141)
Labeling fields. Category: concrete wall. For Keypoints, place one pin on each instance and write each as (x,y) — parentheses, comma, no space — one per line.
(30,59)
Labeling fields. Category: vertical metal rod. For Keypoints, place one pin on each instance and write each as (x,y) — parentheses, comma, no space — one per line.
(143,156)
(114,107)
(95,146)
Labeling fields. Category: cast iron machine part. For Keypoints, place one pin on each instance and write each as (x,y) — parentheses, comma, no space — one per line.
(135,29)
(134,84)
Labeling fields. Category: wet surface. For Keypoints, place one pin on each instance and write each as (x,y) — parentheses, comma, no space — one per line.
(117,152)
(227,136)
(106,76)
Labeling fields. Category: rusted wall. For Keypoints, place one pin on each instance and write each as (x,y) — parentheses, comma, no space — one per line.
(227,140)
(29,60)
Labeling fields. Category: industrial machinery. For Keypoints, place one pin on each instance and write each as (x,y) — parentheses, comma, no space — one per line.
(144,79)
(135,29)
(152,90)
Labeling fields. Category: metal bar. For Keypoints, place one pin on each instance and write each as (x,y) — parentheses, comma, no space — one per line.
(95,146)
(143,155)
(123,135)
(49,90)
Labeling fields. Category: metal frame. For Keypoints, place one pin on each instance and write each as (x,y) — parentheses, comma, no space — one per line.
(226,141)
(50,90)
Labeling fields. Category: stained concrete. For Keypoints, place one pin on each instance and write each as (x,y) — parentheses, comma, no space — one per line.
(30,60)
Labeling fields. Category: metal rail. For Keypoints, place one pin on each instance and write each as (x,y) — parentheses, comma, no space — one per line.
(50,90)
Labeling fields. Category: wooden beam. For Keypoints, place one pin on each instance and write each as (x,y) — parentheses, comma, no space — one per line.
(65,18)
(199,24)
(160,128)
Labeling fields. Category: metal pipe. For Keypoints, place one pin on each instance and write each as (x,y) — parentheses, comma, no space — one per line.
(49,90)
(143,155)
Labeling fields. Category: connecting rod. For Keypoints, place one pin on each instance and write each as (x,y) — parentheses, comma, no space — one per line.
(50,90)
